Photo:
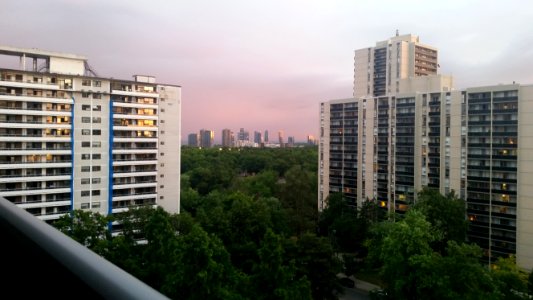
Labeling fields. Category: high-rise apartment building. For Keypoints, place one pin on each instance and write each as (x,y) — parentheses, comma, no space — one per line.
(72,140)
(207,138)
(228,138)
(378,69)
(194,140)
(476,142)
(266,136)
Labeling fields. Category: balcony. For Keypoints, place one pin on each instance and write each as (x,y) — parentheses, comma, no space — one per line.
(37,248)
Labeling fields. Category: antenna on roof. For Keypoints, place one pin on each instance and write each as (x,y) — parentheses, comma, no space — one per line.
(397,32)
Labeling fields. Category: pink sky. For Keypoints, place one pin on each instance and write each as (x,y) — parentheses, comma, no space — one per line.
(267,64)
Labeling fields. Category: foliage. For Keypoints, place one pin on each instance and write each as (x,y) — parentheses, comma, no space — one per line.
(446,215)
(85,227)
(298,196)
(274,278)
(512,282)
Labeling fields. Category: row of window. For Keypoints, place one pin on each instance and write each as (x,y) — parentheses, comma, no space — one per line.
(95,83)
(88,144)
(88,156)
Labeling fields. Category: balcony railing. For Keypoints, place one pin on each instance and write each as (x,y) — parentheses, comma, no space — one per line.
(42,251)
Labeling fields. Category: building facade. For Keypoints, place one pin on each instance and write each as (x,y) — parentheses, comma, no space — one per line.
(228,138)
(193,140)
(207,138)
(476,142)
(72,140)
(378,69)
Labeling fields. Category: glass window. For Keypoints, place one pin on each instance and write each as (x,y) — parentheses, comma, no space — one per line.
(85,156)
(97,156)
(85,107)
(97,83)
(97,144)
(96,168)
(97,132)
(85,132)
(97,107)
(85,168)
(96,192)
(85,119)
(96,180)
(85,181)
(97,120)
(84,193)
(85,206)
(86,82)
(85,144)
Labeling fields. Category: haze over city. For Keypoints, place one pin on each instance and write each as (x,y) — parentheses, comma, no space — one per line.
(267,64)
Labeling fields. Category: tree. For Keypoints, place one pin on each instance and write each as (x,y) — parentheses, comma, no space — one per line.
(298,197)
(272,278)
(405,240)
(201,269)
(446,215)
(87,228)
(512,282)
(316,261)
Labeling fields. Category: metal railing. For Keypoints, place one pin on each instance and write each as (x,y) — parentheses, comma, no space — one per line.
(36,247)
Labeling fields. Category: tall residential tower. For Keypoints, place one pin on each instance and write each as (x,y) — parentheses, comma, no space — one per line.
(476,141)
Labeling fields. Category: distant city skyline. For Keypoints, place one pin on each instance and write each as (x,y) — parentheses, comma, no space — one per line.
(250,135)
(268,65)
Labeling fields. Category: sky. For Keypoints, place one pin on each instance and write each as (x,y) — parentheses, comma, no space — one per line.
(266,65)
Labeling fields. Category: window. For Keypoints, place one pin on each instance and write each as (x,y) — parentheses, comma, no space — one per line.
(85,169)
(97,120)
(85,144)
(96,180)
(85,107)
(97,144)
(97,156)
(86,82)
(97,107)
(162,110)
(85,156)
(97,132)
(162,132)
(97,96)
(162,186)
(85,95)
(85,181)
(162,175)
(84,193)
(162,142)
(96,192)
(96,204)
(162,165)
(85,132)
(97,83)
(85,205)
(162,154)
(85,119)
(161,197)
(96,168)
(162,121)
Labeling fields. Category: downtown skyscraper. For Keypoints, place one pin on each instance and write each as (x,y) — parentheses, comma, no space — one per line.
(423,133)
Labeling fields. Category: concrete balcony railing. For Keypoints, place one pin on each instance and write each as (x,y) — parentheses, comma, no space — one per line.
(56,261)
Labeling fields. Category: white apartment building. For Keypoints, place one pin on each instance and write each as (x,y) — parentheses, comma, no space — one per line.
(72,140)
(477,142)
